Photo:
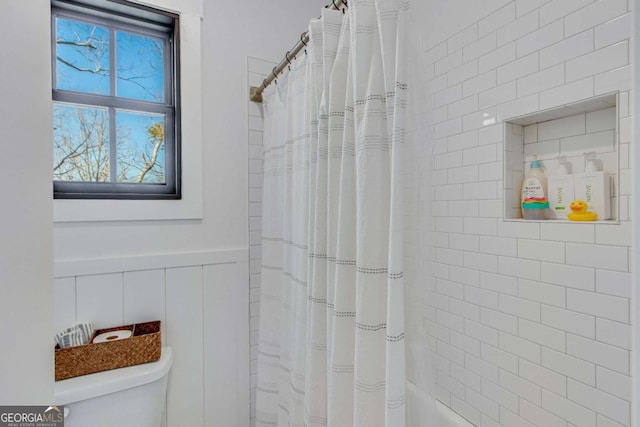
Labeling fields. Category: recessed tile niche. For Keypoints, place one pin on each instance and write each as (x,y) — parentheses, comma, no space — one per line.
(569,130)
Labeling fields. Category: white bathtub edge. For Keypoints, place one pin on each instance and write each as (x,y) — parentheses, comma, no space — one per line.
(446,417)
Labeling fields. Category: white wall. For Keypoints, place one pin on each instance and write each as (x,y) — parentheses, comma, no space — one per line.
(445,18)
(635,258)
(257,70)
(26,359)
(231,32)
(530,322)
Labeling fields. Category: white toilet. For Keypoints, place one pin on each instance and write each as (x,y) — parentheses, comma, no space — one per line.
(127,397)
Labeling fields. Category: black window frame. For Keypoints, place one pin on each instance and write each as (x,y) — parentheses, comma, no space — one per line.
(142,20)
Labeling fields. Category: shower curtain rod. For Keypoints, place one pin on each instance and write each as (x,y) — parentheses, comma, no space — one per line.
(255,93)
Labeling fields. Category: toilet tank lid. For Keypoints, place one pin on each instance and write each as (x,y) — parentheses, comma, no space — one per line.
(102,383)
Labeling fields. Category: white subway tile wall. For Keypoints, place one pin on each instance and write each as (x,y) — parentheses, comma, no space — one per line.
(257,71)
(530,322)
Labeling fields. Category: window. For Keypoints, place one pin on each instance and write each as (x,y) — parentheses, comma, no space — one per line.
(115,110)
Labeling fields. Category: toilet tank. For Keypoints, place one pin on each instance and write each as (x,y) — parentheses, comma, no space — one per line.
(127,397)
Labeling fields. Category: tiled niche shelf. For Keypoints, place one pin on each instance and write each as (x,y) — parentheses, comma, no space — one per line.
(570,130)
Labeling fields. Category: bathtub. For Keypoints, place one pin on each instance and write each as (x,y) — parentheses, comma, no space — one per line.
(445,416)
(448,418)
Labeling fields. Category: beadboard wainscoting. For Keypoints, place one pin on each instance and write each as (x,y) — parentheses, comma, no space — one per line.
(529,321)
(202,299)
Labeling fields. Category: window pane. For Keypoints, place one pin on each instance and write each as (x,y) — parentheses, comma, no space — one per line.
(140,69)
(140,149)
(82,57)
(81,143)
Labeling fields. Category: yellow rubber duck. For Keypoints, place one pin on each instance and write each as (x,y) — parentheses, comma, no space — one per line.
(579,212)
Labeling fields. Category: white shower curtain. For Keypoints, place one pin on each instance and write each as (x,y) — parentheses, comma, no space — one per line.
(332,319)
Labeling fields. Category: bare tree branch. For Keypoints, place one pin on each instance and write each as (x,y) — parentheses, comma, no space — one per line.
(80,44)
(97,70)
(72,154)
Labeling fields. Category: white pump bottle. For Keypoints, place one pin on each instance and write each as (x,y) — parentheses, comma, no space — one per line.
(561,191)
(594,187)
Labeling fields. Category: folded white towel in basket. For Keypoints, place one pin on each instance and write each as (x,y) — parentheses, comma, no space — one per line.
(75,335)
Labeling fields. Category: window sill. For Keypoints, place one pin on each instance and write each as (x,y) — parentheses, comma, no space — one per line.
(74,210)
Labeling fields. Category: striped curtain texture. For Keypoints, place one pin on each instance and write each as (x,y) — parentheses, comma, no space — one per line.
(332,333)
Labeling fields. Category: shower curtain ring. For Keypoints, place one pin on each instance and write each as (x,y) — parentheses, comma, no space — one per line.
(334,5)
(302,39)
(275,75)
(286,56)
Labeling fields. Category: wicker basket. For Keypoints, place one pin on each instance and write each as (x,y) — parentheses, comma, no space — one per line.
(143,347)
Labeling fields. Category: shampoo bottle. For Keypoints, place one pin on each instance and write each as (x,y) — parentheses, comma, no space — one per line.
(534,193)
(561,191)
(594,187)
